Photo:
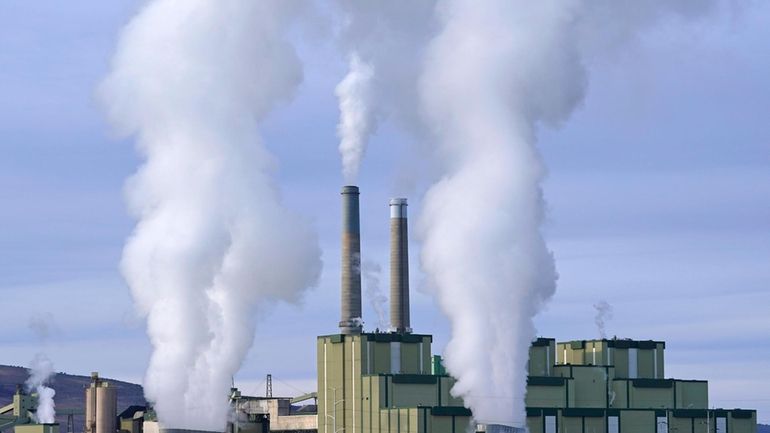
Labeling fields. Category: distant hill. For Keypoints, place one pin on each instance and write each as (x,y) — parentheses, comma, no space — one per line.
(763,428)
(70,392)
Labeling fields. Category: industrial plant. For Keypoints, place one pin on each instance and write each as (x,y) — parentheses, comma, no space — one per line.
(390,381)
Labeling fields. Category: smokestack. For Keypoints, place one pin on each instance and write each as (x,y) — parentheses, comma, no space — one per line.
(399,267)
(350,321)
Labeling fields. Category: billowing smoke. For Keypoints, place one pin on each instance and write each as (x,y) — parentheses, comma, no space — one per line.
(40,372)
(603,313)
(357,119)
(498,71)
(371,272)
(491,73)
(191,81)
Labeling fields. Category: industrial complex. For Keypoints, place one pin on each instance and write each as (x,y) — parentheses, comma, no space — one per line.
(378,382)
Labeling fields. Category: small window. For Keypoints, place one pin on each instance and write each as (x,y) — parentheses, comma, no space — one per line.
(633,363)
(662,424)
(613,424)
(550,424)
(721,425)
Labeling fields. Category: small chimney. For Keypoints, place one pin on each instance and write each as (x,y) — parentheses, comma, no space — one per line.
(399,267)
(350,321)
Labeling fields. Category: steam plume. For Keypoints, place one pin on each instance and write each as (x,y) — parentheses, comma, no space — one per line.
(40,371)
(384,41)
(371,272)
(499,70)
(191,80)
(356,117)
(603,313)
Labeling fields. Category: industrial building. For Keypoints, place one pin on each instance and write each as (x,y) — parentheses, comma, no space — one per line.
(390,382)
(381,382)
(100,411)
(616,386)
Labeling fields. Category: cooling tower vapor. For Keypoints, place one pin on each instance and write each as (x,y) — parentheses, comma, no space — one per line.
(191,81)
(40,372)
(603,313)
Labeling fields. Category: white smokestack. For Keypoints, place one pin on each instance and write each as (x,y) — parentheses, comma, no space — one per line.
(40,372)
(603,313)
(191,80)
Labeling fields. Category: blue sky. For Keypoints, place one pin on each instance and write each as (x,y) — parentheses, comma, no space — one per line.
(658,195)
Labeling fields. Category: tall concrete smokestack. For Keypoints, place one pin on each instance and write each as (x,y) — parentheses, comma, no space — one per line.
(350,321)
(399,267)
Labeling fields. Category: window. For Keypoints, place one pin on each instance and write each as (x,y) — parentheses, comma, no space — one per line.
(721,425)
(613,424)
(632,363)
(662,424)
(550,424)
(395,357)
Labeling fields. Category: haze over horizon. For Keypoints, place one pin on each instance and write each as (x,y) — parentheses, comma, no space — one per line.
(658,195)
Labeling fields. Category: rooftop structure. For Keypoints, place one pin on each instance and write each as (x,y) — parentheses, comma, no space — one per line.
(619,385)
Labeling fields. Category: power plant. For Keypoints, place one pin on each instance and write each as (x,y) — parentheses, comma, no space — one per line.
(390,381)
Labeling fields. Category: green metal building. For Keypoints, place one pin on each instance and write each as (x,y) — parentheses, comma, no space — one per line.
(613,386)
(391,382)
(384,382)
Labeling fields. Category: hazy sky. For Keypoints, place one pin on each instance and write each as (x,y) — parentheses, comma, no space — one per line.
(658,195)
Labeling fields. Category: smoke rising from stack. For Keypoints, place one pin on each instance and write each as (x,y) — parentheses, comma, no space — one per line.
(384,42)
(356,117)
(371,271)
(191,80)
(491,74)
(603,313)
(40,372)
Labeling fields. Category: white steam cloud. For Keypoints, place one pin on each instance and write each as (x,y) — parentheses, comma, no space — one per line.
(356,116)
(191,80)
(385,42)
(490,73)
(40,372)
(603,313)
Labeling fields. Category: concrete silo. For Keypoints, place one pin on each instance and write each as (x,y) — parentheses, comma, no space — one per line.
(101,406)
